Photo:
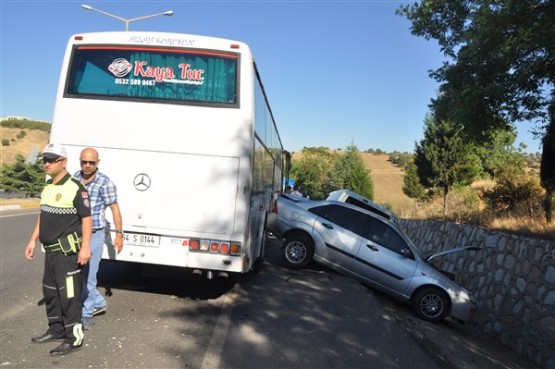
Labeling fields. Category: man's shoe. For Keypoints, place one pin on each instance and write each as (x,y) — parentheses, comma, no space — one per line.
(87,322)
(47,337)
(99,310)
(64,349)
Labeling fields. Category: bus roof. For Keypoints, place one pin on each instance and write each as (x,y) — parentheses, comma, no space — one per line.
(159,39)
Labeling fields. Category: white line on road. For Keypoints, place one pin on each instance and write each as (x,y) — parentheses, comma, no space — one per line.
(215,347)
(18,214)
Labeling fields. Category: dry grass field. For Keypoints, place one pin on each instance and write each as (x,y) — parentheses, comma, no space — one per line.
(388,191)
(388,182)
(33,140)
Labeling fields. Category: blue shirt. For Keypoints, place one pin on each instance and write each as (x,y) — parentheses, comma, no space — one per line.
(102,193)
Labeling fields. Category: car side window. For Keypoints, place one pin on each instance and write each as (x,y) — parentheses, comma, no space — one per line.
(347,218)
(384,235)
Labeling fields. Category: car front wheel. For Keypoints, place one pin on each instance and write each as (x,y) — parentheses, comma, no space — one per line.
(297,251)
(431,304)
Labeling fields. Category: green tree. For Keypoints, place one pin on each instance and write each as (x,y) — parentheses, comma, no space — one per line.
(442,159)
(400,159)
(310,171)
(357,177)
(22,177)
(497,153)
(318,171)
(411,183)
(501,67)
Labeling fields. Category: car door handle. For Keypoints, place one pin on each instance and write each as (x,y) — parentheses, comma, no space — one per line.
(372,247)
(328,226)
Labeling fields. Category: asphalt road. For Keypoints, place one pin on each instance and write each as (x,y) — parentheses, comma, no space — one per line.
(278,318)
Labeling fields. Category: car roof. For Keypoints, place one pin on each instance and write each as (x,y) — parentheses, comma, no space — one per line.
(361,201)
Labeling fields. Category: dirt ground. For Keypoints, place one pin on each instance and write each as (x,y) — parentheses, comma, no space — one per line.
(454,345)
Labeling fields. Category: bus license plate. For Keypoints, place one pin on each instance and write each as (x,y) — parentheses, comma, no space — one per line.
(141,240)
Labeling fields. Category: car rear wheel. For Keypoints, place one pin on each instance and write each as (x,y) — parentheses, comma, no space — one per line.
(298,251)
(431,304)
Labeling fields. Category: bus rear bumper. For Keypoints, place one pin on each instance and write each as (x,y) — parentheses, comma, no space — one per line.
(202,261)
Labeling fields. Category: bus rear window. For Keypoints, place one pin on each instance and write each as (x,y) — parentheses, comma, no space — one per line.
(154,74)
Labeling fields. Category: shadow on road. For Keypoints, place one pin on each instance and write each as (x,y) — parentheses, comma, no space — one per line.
(159,279)
(181,282)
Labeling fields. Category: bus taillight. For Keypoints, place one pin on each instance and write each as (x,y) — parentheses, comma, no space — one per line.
(194,245)
(214,246)
(235,249)
(204,245)
(224,248)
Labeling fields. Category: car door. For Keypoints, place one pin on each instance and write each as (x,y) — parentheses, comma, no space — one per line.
(341,229)
(380,261)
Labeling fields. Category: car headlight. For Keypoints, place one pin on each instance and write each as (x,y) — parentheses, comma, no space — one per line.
(464,294)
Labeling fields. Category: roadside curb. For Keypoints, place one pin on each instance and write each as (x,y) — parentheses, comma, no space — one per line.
(15,207)
(10,207)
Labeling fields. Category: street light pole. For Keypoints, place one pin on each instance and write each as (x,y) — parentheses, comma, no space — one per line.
(168,13)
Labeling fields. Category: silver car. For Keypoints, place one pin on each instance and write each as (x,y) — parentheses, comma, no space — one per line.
(362,244)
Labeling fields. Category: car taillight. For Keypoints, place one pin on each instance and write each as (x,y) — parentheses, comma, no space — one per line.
(275,208)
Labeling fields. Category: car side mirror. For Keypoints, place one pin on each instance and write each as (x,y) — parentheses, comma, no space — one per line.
(406,253)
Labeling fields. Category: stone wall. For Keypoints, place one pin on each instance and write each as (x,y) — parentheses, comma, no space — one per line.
(512,279)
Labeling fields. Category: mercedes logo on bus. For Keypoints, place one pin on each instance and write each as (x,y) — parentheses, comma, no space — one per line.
(142,182)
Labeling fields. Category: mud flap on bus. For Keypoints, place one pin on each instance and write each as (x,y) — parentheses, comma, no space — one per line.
(259,261)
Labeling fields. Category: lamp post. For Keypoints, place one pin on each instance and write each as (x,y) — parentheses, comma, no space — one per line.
(127,21)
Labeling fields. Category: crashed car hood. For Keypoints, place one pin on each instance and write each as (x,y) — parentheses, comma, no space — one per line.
(452,251)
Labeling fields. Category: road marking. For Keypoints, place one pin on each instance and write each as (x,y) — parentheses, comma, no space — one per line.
(18,214)
(217,341)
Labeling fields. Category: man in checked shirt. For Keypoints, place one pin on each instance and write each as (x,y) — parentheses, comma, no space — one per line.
(102,194)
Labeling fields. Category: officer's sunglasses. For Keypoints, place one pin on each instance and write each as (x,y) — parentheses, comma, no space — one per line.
(51,161)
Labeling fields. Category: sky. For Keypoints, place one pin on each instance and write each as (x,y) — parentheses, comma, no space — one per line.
(337,73)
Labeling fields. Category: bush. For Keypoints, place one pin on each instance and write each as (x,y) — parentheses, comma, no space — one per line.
(26,124)
(5,142)
(516,194)
(22,177)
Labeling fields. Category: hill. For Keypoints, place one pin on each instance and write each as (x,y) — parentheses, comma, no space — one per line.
(33,141)
(388,182)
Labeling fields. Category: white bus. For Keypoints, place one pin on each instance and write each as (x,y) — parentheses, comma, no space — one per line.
(184,129)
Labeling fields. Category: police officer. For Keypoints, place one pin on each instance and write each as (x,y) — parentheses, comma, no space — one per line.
(64,227)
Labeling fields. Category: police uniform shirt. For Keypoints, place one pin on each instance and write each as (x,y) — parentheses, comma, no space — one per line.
(62,206)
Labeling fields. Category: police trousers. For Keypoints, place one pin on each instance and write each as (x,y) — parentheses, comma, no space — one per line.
(62,289)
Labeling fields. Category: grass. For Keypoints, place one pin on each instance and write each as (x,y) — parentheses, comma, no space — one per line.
(34,141)
(388,182)
(463,205)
